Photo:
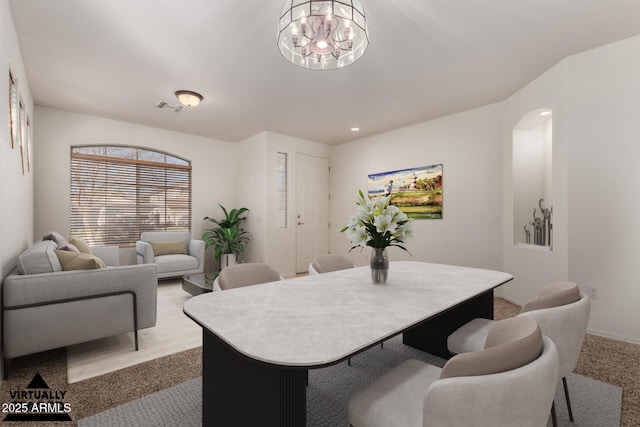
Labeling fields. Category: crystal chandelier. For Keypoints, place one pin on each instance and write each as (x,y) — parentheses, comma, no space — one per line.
(322,34)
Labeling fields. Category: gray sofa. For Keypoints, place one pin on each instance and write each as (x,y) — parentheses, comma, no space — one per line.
(44,307)
(175,254)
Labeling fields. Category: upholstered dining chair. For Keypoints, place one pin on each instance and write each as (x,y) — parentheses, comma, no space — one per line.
(509,383)
(562,313)
(246,274)
(326,263)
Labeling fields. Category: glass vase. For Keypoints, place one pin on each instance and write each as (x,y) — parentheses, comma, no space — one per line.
(379,266)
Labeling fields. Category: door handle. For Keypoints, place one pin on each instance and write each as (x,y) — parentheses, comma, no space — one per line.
(300,223)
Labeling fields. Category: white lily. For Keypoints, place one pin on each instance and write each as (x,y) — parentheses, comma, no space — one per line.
(384,223)
(358,235)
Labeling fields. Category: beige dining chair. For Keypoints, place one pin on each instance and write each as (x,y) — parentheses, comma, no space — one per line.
(509,383)
(246,274)
(562,313)
(326,263)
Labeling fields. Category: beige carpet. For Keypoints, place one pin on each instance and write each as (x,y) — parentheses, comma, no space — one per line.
(174,332)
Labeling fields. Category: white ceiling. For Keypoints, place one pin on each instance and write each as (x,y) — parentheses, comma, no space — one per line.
(426,59)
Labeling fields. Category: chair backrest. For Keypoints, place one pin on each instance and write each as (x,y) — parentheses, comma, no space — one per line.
(566,326)
(510,344)
(238,275)
(165,236)
(326,263)
(553,295)
(518,397)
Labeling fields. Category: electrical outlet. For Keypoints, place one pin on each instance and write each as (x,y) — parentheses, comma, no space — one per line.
(593,292)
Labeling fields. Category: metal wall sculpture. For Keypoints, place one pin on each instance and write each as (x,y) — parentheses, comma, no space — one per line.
(542,227)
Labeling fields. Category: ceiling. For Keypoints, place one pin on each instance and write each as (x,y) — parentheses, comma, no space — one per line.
(426,59)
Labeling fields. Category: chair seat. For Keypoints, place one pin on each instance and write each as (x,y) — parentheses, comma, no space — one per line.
(402,388)
(175,262)
(470,336)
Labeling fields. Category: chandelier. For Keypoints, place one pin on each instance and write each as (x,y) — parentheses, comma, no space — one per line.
(322,34)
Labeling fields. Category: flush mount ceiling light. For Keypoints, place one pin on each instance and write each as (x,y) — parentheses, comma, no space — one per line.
(189,98)
(322,34)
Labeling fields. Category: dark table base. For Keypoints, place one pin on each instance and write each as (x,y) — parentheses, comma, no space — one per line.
(431,335)
(239,391)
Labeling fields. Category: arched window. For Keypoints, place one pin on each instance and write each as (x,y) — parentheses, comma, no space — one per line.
(118,192)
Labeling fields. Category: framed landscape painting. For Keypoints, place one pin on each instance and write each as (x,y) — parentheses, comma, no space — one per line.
(417,191)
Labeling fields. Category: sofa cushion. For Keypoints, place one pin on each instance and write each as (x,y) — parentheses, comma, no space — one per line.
(61,242)
(78,261)
(169,248)
(81,244)
(510,344)
(39,258)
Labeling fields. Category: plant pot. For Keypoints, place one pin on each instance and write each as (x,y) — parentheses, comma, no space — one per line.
(227,259)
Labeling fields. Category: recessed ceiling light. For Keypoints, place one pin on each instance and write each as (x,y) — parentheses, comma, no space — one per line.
(544,113)
(355,129)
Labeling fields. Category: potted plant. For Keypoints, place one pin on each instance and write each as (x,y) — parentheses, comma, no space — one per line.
(228,238)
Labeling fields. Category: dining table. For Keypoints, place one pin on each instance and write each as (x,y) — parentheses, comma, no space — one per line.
(260,341)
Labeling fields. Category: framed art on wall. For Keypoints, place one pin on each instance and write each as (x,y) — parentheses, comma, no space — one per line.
(13,107)
(27,143)
(416,191)
(22,128)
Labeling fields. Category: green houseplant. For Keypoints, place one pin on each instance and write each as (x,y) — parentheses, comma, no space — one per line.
(228,238)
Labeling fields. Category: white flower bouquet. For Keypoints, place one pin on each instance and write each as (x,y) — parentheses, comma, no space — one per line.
(378,224)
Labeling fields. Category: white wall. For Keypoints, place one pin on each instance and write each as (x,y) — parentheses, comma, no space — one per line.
(594,97)
(604,175)
(16,189)
(533,269)
(251,190)
(469,145)
(213,164)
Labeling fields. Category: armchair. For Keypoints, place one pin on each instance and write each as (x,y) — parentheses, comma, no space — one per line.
(511,382)
(174,252)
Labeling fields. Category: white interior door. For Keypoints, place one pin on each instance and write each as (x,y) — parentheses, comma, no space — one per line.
(312,216)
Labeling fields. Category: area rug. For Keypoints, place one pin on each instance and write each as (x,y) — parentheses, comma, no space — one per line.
(595,404)
(174,332)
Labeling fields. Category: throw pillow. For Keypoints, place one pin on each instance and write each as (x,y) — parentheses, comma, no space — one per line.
(78,261)
(81,244)
(61,242)
(169,248)
(39,258)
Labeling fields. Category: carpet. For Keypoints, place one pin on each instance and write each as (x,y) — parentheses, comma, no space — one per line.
(174,332)
(595,404)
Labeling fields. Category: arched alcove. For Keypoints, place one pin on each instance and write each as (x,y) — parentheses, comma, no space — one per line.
(532,180)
